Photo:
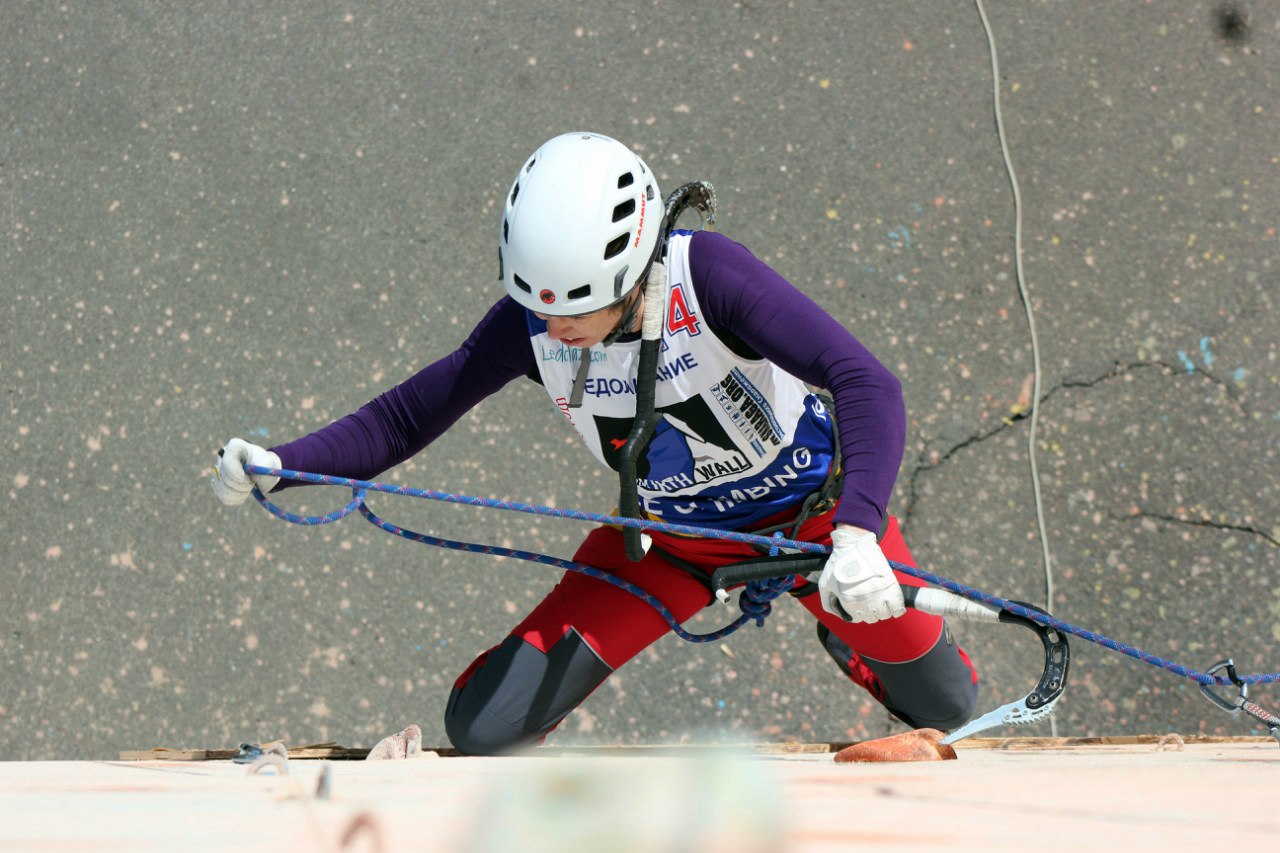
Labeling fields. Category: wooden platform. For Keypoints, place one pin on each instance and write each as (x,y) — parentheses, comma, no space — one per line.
(1068,794)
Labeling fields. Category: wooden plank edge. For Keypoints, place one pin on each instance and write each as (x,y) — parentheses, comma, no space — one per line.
(335,752)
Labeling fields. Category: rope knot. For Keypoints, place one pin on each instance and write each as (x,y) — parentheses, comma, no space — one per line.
(756,595)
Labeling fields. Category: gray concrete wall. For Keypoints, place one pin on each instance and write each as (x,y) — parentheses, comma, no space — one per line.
(247,219)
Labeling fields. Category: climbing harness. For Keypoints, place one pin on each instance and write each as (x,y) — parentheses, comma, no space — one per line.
(767,578)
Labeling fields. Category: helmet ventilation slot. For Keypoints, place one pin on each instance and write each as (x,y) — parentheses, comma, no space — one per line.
(616,246)
(623,210)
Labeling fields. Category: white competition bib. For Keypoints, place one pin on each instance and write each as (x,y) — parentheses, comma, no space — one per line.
(738,440)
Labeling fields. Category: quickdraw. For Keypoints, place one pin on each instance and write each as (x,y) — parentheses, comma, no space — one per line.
(768,577)
(1241,701)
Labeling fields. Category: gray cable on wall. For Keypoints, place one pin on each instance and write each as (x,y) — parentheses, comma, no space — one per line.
(1031,319)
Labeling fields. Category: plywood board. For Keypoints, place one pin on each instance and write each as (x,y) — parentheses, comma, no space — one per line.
(1111,793)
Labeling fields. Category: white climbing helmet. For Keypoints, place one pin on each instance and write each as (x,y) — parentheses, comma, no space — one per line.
(580,226)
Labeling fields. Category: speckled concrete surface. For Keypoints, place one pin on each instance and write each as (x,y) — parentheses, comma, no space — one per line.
(229,220)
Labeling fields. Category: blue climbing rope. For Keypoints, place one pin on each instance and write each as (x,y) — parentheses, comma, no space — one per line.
(755,599)
(754,602)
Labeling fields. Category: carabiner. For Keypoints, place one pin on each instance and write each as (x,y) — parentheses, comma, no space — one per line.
(1231,707)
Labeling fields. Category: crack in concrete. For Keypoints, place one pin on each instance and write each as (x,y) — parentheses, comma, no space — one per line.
(1118,369)
(1200,522)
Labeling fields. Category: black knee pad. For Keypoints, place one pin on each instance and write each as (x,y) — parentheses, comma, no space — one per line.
(936,690)
(520,693)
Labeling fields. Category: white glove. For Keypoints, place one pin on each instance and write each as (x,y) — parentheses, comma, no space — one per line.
(231,484)
(856,583)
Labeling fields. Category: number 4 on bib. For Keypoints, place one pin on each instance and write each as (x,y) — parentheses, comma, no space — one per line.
(679,318)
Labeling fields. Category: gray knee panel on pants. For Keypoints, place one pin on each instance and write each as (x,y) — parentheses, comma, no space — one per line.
(520,693)
(936,690)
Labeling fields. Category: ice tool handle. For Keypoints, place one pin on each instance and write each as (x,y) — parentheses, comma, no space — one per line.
(701,196)
(1038,705)
(1034,707)
(655,309)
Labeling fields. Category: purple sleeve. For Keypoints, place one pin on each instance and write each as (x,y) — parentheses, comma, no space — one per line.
(399,423)
(740,293)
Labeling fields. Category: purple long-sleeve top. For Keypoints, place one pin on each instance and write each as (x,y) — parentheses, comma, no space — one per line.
(739,294)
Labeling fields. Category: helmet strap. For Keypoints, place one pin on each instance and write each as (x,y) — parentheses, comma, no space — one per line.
(580,381)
